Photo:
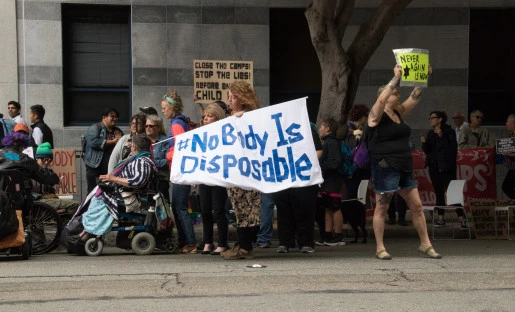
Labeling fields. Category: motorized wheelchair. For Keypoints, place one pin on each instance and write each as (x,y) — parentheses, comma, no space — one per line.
(142,232)
(41,223)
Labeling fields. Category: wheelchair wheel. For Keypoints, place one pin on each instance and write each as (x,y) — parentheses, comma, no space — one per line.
(170,247)
(45,227)
(94,247)
(143,243)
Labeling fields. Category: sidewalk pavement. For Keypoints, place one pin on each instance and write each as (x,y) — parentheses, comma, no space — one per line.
(391,231)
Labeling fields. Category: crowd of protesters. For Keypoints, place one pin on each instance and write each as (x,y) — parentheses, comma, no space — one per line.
(381,128)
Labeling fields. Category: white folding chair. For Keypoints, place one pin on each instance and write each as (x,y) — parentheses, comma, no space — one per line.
(454,200)
(362,193)
(507,209)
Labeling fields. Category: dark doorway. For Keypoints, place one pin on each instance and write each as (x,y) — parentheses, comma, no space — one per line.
(491,82)
(294,68)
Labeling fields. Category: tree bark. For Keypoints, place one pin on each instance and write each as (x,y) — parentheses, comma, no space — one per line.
(328,20)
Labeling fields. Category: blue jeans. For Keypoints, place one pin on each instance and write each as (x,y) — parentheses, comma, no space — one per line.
(388,180)
(180,194)
(267,219)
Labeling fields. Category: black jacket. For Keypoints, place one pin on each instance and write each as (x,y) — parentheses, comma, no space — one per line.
(11,158)
(441,151)
(329,163)
(47,133)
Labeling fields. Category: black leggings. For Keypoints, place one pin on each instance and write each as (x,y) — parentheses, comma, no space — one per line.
(212,199)
(440,181)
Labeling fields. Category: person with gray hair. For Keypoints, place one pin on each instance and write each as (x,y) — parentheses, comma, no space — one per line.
(156,132)
(100,208)
(508,185)
(473,135)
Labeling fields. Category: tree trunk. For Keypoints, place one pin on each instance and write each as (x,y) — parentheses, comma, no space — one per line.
(327,20)
(337,78)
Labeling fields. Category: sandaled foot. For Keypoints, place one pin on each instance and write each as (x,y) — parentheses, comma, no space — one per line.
(383,255)
(429,252)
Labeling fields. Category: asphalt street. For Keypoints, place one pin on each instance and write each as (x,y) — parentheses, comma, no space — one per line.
(476,275)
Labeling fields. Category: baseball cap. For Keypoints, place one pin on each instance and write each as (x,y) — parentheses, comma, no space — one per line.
(148,110)
(21,127)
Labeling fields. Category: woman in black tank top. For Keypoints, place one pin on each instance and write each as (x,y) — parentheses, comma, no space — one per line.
(391,162)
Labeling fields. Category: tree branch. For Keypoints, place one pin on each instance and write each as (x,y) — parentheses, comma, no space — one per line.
(342,16)
(371,34)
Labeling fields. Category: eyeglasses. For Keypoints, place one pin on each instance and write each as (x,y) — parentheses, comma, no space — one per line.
(46,160)
(433,117)
(114,117)
(150,126)
(479,117)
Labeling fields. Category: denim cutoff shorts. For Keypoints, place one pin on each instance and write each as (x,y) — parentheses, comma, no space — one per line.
(388,180)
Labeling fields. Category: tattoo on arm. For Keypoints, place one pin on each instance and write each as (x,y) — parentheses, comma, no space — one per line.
(416,94)
(393,83)
(385,198)
(402,108)
(372,114)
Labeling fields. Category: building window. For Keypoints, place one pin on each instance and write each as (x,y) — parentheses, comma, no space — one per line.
(491,83)
(96,62)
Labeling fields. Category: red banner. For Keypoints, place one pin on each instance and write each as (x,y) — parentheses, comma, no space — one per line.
(476,166)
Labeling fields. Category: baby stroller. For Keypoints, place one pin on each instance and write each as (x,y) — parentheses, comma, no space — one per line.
(15,239)
(142,232)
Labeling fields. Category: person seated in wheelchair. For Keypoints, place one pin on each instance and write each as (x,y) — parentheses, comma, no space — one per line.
(100,208)
(46,193)
(12,157)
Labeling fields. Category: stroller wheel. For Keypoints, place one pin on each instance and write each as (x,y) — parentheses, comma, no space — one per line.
(170,247)
(143,243)
(94,247)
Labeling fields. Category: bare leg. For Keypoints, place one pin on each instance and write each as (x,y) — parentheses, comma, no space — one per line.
(338,221)
(412,199)
(328,221)
(382,204)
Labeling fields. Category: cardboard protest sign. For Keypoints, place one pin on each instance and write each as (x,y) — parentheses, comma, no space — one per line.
(269,149)
(483,215)
(491,224)
(502,219)
(64,166)
(213,78)
(415,66)
(505,145)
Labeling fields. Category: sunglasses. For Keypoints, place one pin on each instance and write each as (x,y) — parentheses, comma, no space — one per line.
(46,160)
(150,126)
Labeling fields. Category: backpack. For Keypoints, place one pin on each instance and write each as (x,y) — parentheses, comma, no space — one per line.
(360,153)
(192,124)
(347,166)
(6,127)
(8,220)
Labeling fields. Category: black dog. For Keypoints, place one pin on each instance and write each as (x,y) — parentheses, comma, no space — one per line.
(354,213)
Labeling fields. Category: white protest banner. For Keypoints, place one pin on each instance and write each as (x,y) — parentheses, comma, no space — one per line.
(212,78)
(269,149)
